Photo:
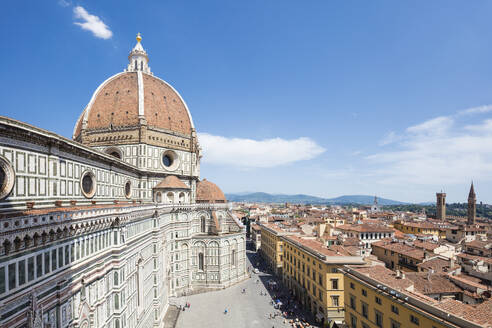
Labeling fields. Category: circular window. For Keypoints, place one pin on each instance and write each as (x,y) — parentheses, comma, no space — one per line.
(115,152)
(167,160)
(7,177)
(128,189)
(170,160)
(88,184)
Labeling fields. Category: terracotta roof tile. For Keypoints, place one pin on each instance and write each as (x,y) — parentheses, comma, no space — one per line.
(207,191)
(432,283)
(171,182)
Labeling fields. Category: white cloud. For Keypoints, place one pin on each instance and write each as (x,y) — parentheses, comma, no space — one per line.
(439,151)
(92,23)
(64,3)
(389,138)
(476,110)
(249,153)
(435,126)
(484,127)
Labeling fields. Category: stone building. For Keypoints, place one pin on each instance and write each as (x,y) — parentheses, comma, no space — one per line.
(102,230)
(472,205)
(441,206)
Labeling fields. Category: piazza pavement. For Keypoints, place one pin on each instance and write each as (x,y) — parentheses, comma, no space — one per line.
(245,310)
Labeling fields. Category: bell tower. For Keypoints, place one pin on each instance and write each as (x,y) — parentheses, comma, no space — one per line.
(472,205)
(441,206)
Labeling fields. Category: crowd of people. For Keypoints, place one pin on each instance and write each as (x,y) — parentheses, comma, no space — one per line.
(282,300)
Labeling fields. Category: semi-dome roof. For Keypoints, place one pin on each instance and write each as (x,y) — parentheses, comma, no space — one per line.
(130,98)
(171,182)
(209,192)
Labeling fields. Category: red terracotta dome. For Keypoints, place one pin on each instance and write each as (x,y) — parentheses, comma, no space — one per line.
(209,192)
(115,105)
(128,99)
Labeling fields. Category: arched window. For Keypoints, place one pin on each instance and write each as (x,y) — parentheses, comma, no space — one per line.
(202,223)
(200,261)
(181,198)
(158,197)
(233,257)
(170,197)
(213,253)
(141,66)
(184,256)
(139,283)
(136,67)
(116,302)
(82,290)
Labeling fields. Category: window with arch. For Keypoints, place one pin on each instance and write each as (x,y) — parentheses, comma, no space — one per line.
(202,224)
(184,256)
(158,197)
(197,259)
(136,67)
(170,197)
(139,286)
(200,261)
(233,257)
(213,253)
(181,198)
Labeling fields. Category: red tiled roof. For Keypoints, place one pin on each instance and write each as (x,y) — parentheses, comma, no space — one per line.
(171,182)
(209,192)
(400,248)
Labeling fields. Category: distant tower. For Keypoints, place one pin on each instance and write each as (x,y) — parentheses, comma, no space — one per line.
(441,206)
(375,206)
(472,205)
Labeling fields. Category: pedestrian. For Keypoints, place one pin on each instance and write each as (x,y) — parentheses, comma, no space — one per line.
(225,311)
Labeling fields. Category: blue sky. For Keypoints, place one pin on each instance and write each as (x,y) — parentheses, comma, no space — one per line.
(327,98)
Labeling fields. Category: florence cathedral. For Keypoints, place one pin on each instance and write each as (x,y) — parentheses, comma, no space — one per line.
(106,229)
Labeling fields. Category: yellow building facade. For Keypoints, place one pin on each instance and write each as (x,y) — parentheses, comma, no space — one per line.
(420,228)
(375,298)
(272,247)
(311,272)
(309,269)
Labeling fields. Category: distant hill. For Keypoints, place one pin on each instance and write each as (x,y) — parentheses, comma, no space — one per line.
(262,197)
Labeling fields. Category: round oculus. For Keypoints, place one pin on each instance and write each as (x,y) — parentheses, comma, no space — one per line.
(88,184)
(128,189)
(7,177)
(170,160)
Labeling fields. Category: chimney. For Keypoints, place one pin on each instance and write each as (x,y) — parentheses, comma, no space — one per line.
(429,274)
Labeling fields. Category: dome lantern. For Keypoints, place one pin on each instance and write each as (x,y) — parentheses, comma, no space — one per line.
(138,59)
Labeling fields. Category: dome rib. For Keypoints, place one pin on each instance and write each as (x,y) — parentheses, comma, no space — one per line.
(119,102)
